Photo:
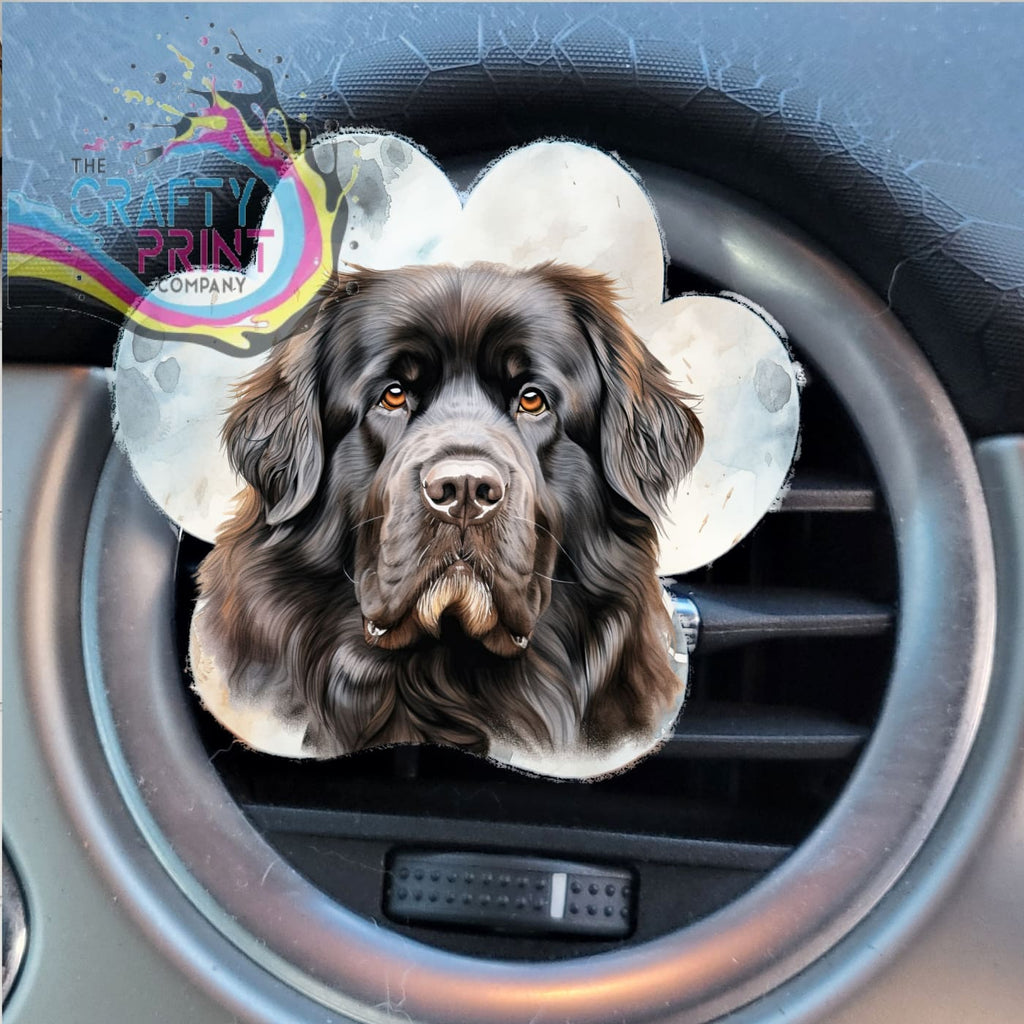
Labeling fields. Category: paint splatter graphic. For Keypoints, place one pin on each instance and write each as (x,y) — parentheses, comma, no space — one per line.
(188,64)
(252,130)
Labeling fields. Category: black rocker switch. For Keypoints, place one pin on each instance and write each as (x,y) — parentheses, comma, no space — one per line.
(525,895)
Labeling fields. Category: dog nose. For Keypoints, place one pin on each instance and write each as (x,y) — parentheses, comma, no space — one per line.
(463,491)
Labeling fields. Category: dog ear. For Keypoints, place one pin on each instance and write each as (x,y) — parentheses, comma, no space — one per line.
(650,437)
(273,433)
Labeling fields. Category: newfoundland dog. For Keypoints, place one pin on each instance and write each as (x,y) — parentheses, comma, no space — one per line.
(448,533)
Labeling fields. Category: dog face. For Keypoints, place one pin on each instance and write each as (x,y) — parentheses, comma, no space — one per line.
(432,456)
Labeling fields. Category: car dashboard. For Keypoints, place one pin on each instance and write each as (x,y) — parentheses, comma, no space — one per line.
(833,833)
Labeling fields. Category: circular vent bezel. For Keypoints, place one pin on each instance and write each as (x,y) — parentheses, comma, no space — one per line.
(302,944)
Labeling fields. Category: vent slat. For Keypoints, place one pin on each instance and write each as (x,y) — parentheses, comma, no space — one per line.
(757,731)
(730,616)
(820,492)
(463,833)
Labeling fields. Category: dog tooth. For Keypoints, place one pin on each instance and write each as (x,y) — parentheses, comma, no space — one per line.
(374,630)
(520,641)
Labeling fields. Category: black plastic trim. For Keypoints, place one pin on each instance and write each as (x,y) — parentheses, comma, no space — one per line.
(576,842)
(760,732)
(731,616)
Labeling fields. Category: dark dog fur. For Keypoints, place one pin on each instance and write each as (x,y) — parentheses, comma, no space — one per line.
(383,615)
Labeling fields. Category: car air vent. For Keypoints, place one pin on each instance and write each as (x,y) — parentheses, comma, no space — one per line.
(789,673)
(821,746)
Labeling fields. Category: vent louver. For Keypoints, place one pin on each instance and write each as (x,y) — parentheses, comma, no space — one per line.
(790,668)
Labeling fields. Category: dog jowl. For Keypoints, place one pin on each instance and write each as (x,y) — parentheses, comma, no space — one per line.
(448,530)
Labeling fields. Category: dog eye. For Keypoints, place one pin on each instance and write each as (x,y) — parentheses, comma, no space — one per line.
(394,397)
(532,401)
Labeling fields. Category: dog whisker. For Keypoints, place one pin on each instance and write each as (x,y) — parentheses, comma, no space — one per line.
(366,522)
(553,579)
(558,543)
(484,569)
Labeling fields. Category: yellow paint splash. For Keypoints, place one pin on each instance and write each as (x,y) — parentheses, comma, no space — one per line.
(351,182)
(134,96)
(189,64)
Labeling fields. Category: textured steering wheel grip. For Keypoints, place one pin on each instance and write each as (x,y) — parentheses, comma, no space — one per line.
(855,125)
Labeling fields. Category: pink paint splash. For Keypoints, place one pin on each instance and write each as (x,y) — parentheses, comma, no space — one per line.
(36,242)
(129,144)
(97,146)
